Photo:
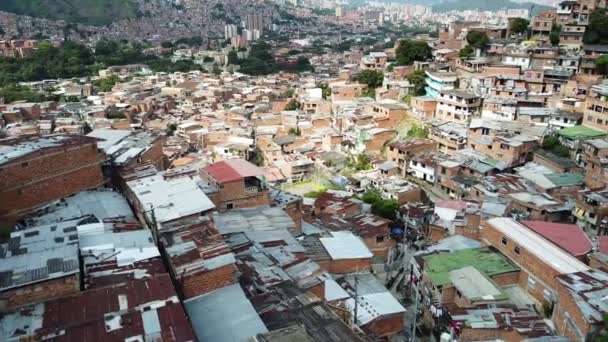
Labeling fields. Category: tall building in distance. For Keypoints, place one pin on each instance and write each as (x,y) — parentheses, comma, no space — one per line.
(254,22)
(230,30)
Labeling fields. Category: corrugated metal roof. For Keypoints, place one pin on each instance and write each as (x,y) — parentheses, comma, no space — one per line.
(225,315)
(171,198)
(532,242)
(568,237)
(345,245)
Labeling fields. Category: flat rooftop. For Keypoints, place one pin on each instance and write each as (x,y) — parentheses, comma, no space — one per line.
(488,262)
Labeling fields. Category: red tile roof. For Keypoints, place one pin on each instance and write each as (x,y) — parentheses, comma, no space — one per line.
(453,204)
(232,170)
(568,237)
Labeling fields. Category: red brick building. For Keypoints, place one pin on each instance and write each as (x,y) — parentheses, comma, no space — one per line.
(581,310)
(37,170)
(237,183)
(339,253)
(199,259)
(540,260)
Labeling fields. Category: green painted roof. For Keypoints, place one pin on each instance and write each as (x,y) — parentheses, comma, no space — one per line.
(580,132)
(566,179)
(486,261)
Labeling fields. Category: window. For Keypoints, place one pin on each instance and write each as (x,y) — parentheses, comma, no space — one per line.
(531,282)
(24,164)
(504,241)
(230,206)
(379,239)
(548,295)
(516,250)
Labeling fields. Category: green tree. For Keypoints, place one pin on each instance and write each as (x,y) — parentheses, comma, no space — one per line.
(410,51)
(417,79)
(418,132)
(370,92)
(294,131)
(478,40)
(597,30)
(13,92)
(551,143)
(361,162)
(554,34)
(216,69)
(519,25)
(233,58)
(382,207)
(466,52)
(302,65)
(602,64)
(107,84)
(171,128)
(373,78)
(293,105)
(260,61)
(325,90)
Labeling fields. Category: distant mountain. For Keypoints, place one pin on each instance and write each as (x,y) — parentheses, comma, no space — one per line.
(486,5)
(93,12)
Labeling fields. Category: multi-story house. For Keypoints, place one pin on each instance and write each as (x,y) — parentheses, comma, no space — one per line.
(542,24)
(457,106)
(437,81)
(596,108)
(400,152)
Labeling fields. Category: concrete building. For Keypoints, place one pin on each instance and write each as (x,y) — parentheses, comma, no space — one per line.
(457,106)
(437,82)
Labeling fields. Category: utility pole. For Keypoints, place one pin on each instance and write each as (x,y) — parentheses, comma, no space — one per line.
(413,339)
(356,296)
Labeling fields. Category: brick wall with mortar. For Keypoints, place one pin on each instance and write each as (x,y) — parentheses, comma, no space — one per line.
(40,292)
(385,326)
(544,275)
(567,316)
(42,177)
(207,281)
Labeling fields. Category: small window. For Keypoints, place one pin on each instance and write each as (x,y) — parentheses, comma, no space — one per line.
(230,206)
(24,164)
(379,239)
(531,282)
(504,241)
(516,250)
